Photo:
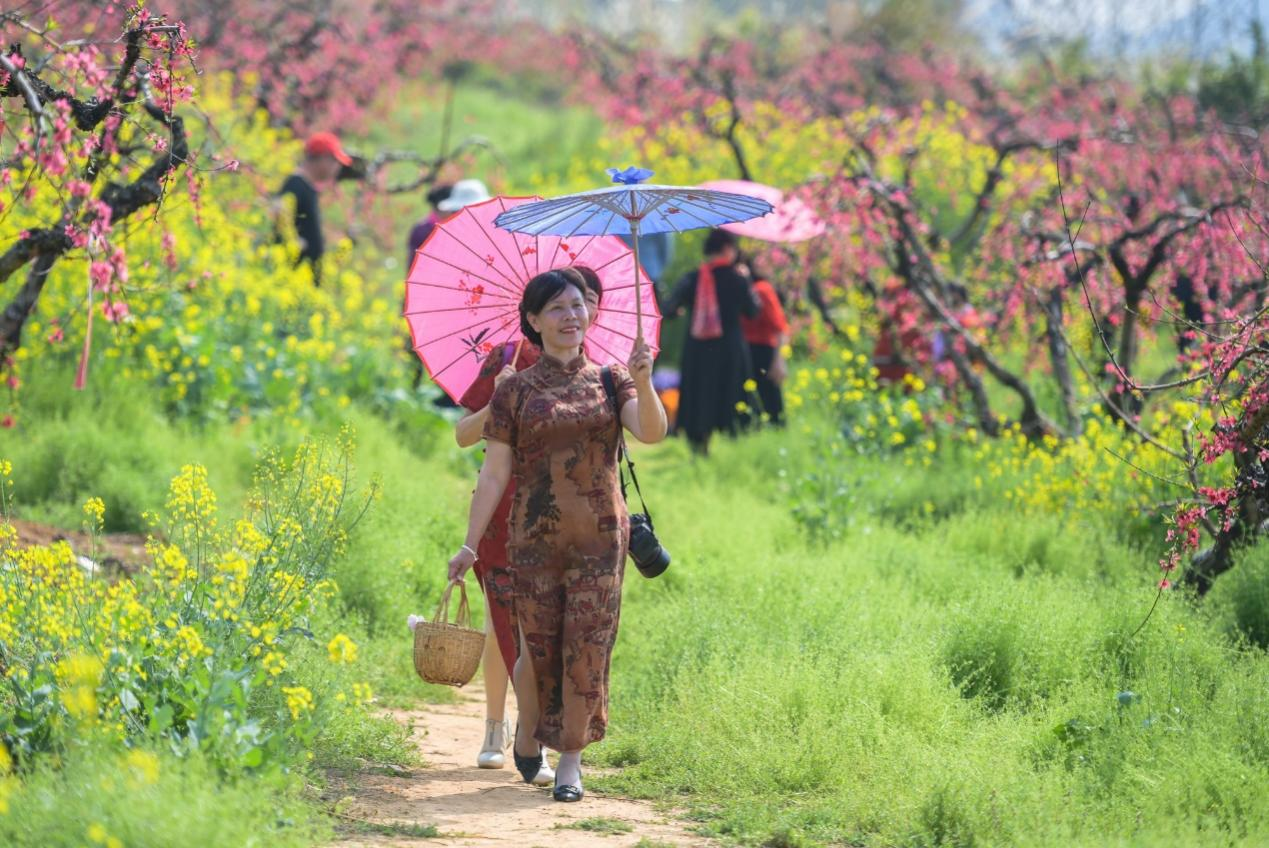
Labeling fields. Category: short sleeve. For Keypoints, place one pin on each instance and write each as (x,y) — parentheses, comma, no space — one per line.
(500,426)
(624,384)
(480,392)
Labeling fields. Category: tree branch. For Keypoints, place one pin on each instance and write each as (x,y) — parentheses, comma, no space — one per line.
(19,84)
(48,245)
(995,175)
(148,187)
(921,278)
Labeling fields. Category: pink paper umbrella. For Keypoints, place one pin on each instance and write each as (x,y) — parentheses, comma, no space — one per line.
(791,221)
(463,294)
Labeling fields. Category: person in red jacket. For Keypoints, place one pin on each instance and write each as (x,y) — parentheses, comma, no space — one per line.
(766,333)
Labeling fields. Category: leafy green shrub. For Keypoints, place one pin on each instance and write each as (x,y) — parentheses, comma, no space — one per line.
(194,650)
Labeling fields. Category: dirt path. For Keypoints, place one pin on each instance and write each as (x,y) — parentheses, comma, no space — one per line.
(467,806)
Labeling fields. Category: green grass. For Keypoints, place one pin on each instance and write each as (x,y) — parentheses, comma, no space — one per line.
(412,830)
(926,680)
(599,824)
(97,443)
(98,793)
(116,446)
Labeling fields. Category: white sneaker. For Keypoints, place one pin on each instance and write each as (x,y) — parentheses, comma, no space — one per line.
(497,740)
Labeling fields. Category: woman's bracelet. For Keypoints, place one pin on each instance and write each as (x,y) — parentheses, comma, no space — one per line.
(467,548)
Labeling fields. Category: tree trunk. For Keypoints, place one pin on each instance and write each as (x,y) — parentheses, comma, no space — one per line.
(1053,312)
(1127,354)
(977,392)
(1122,399)
(19,309)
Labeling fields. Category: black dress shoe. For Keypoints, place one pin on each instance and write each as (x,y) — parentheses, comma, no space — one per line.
(527,766)
(568,794)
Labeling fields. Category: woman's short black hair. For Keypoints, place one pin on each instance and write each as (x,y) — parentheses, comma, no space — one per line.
(719,240)
(540,291)
(590,278)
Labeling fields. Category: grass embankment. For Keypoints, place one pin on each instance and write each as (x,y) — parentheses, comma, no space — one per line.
(961,676)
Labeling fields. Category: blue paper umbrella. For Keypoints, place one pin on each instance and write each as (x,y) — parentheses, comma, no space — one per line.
(632,209)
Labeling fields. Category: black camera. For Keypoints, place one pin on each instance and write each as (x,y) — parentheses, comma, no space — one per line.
(650,558)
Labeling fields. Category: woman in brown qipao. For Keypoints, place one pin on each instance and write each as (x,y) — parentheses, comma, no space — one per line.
(553,428)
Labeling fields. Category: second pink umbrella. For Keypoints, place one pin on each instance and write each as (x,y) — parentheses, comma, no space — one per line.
(463,292)
(792,220)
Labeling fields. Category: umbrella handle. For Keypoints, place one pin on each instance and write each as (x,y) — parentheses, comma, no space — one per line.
(634,236)
(516,356)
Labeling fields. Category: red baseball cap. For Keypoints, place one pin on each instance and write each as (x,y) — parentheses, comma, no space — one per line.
(326,144)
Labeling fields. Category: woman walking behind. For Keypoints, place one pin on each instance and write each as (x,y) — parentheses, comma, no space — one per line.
(492,569)
(553,429)
(715,355)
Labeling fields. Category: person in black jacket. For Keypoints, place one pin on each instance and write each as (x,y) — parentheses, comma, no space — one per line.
(324,157)
(715,356)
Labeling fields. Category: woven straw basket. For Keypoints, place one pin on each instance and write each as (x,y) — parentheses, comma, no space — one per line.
(448,653)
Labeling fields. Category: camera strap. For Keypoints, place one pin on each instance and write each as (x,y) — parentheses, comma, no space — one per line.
(610,389)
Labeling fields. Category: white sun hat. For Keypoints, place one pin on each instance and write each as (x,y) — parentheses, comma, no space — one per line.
(464,193)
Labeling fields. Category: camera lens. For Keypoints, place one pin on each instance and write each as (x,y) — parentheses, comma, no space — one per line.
(650,557)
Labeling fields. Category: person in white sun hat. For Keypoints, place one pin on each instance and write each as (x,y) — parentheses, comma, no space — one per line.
(464,193)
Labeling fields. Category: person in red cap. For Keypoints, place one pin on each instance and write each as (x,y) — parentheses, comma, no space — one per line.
(323,158)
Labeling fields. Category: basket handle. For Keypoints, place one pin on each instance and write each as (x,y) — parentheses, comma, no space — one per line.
(463,618)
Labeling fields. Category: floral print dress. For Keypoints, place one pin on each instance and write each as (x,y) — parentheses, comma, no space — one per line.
(568,533)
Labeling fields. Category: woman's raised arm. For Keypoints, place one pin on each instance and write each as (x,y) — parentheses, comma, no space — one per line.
(644,416)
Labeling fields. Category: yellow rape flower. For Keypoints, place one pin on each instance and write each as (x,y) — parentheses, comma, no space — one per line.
(298,700)
(144,767)
(95,511)
(191,643)
(274,663)
(342,650)
(362,693)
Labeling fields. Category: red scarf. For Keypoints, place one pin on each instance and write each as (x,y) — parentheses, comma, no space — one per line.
(707,321)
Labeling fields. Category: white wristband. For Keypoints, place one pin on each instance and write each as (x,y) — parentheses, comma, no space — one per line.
(470,551)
